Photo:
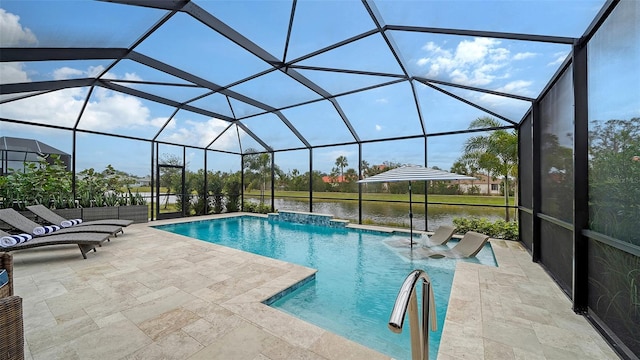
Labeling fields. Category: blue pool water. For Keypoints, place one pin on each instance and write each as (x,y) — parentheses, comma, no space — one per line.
(357,281)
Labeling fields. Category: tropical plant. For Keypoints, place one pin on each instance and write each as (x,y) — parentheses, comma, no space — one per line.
(40,182)
(215,186)
(112,199)
(259,167)
(614,291)
(497,152)
(341,163)
(256,208)
(232,189)
(614,173)
(138,199)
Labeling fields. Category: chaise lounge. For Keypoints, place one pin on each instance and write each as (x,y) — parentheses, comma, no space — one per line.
(49,215)
(441,236)
(469,246)
(86,241)
(25,225)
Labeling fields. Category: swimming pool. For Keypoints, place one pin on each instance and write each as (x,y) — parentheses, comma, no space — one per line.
(358,276)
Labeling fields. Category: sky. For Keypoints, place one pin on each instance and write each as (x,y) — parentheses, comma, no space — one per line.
(517,67)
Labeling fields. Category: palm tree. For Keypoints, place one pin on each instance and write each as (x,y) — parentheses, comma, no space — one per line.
(497,152)
(342,163)
(365,169)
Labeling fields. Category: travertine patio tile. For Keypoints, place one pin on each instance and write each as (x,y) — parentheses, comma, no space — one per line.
(576,342)
(497,351)
(333,347)
(246,341)
(46,337)
(460,344)
(153,308)
(36,315)
(283,350)
(110,319)
(167,323)
(51,289)
(175,346)
(160,295)
(71,315)
(521,336)
(76,299)
(112,303)
(114,341)
(206,332)
(62,351)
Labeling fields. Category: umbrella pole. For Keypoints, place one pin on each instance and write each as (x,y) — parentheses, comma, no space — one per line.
(410,218)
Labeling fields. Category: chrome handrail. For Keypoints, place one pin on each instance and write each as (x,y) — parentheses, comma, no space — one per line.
(407,299)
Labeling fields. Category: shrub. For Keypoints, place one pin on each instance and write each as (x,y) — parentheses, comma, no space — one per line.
(232,189)
(499,229)
(256,207)
(48,182)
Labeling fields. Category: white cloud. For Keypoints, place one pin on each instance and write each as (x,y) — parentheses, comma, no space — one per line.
(13,72)
(517,87)
(92,71)
(477,62)
(473,52)
(201,133)
(106,111)
(559,57)
(378,127)
(132,77)
(422,61)
(382,101)
(206,131)
(58,108)
(434,49)
(524,55)
(12,33)
(67,73)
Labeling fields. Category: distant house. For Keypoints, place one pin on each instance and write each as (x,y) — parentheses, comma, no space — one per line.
(334,180)
(492,187)
(140,182)
(15,152)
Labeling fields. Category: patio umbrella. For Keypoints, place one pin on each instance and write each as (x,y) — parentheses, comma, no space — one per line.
(414,173)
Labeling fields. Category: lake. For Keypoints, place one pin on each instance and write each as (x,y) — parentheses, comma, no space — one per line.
(390,213)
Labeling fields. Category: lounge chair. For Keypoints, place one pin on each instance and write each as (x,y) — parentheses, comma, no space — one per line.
(49,215)
(441,236)
(469,246)
(86,241)
(25,225)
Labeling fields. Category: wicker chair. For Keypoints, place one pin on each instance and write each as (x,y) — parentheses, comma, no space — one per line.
(11,328)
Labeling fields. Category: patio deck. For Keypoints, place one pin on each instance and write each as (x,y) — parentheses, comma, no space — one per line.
(149,294)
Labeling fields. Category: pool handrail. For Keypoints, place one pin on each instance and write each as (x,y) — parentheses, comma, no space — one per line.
(407,299)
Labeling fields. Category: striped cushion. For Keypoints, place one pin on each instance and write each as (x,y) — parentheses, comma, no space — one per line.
(4,277)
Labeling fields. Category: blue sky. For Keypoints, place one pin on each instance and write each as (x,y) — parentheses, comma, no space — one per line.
(517,67)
